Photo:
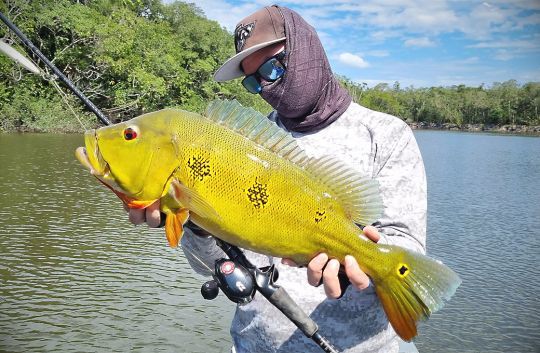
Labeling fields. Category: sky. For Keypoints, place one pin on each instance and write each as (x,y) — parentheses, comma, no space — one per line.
(419,43)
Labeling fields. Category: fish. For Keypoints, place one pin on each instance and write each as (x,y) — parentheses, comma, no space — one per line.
(237,175)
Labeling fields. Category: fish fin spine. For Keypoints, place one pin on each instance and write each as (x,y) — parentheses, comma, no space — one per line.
(412,288)
(256,127)
(359,196)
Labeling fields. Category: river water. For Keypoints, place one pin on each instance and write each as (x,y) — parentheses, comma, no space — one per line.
(77,277)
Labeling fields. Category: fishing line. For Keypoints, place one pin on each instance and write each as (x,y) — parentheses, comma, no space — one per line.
(65,98)
(262,278)
(7,47)
(55,70)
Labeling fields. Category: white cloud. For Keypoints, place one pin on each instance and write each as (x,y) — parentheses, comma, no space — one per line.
(419,42)
(378,53)
(478,41)
(353,60)
(227,15)
(504,55)
(478,20)
(509,43)
(468,61)
(383,35)
(506,49)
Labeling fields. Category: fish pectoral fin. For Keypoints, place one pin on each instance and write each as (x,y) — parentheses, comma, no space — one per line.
(191,200)
(174,226)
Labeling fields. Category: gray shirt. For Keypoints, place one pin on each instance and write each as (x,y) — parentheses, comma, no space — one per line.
(379,146)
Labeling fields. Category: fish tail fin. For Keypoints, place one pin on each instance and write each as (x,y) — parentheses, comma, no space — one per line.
(413,287)
(174,226)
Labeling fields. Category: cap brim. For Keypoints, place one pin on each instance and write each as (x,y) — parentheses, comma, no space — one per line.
(231,68)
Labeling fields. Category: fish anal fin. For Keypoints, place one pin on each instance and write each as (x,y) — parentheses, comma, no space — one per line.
(404,325)
(174,226)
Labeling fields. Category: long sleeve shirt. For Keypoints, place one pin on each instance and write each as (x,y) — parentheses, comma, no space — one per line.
(379,146)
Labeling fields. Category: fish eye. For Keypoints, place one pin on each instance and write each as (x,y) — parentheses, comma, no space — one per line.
(130,133)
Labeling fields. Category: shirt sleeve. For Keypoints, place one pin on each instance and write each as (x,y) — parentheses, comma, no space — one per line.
(201,252)
(401,174)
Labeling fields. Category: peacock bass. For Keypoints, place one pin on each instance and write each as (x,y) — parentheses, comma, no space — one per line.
(240,177)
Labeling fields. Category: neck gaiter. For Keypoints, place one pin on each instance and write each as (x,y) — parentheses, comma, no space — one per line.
(308,97)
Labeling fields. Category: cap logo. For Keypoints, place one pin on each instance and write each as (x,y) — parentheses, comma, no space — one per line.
(241,34)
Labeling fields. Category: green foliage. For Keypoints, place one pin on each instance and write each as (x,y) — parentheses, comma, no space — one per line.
(135,56)
(128,57)
(505,103)
(36,109)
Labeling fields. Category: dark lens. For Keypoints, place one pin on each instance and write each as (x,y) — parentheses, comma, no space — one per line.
(271,70)
(251,84)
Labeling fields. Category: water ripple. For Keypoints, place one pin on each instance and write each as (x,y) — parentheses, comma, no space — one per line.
(77,277)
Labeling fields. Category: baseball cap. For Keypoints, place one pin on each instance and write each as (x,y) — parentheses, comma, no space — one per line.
(259,30)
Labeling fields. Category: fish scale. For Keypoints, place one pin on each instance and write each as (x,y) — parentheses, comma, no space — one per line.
(258,188)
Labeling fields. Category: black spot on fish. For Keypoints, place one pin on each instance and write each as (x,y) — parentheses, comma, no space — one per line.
(403,269)
(258,194)
(199,167)
(319,216)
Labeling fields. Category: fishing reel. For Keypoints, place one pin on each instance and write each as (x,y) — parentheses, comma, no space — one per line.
(234,280)
(238,278)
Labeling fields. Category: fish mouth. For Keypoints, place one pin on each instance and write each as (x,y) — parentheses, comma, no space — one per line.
(91,158)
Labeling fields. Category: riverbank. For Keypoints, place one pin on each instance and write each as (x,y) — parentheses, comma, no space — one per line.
(499,129)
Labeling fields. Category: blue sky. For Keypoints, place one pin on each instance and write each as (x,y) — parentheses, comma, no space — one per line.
(421,43)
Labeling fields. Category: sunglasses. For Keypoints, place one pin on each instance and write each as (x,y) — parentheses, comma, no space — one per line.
(270,71)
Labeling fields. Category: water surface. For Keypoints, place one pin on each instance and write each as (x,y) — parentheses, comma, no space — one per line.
(484,222)
(77,277)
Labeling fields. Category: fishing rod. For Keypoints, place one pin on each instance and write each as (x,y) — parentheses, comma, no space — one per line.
(236,276)
(54,69)
(239,279)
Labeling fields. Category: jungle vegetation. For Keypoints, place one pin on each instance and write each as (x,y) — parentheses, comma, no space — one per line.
(135,56)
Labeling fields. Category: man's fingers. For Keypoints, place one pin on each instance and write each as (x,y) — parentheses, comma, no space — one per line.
(153,215)
(289,262)
(315,269)
(136,216)
(331,280)
(357,277)
(372,233)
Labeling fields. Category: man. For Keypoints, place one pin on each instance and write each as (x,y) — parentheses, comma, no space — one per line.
(281,58)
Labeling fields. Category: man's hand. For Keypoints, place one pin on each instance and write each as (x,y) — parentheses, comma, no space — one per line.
(150,215)
(320,268)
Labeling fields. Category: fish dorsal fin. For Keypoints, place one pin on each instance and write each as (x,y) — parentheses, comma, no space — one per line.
(255,126)
(359,196)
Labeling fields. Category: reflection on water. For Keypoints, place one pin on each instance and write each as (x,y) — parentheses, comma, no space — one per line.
(484,221)
(76,276)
